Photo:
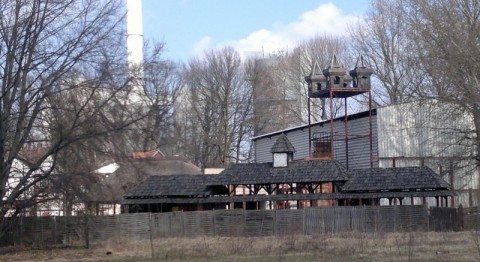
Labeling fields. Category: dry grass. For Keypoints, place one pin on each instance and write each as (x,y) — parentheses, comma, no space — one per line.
(410,246)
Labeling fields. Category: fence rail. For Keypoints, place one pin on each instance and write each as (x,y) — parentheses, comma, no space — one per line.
(41,231)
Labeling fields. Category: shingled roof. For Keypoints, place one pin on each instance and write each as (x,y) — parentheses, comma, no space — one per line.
(296,172)
(133,171)
(400,178)
(360,183)
(174,186)
(282,145)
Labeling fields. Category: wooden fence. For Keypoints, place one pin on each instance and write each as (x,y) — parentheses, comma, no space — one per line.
(42,231)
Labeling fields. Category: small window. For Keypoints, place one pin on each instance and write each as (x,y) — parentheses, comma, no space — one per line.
(322,150)
(337,80)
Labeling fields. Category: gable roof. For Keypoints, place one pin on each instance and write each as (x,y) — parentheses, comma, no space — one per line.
(31,155)
(282,145)
(394,179)
(133,171)
(156,153)
(296,172)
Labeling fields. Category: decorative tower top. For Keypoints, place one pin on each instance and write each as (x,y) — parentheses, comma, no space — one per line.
(336,74)
(316,81)
(282,151)
(336,78)
(361,74)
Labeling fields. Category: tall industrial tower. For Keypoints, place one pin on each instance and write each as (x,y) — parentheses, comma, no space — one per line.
(135,45)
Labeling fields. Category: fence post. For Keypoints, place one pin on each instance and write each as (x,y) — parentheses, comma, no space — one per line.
(244,229)
(150,226)
(169,224)
(183,223)
(364,211)
(54,231)
(214,222)
(86,232)
(350,224)
(428,218)
(395,218)
(21,230)
(274,222)
(460,217)
(304,218)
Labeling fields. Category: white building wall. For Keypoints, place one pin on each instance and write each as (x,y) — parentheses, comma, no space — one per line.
(19,171)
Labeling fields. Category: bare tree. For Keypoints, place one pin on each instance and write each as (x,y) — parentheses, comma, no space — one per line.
(446,35)
(56,89)
(382,38)
(162,87)
(218,106)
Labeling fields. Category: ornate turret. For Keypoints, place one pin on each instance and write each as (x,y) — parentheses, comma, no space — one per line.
(336,75)
(361,74)
(316,81)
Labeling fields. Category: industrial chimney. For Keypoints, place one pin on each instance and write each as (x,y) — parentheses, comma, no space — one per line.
(135,45)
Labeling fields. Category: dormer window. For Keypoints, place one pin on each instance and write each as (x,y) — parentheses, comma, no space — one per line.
(282,151)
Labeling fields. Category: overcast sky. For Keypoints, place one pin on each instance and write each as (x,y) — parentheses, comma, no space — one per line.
(190,26)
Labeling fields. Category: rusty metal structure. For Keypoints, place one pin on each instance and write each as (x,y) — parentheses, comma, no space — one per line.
(335,82)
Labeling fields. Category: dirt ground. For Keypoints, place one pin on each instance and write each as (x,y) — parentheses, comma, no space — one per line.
(416,246)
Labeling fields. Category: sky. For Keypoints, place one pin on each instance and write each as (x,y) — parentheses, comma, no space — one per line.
(189,27)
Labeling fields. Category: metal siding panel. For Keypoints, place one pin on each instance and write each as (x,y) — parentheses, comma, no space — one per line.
(359,156)
(262,150)
(358,147)
(421,130)
(428,130)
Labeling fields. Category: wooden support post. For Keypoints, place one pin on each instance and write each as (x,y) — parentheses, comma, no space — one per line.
(452,181)
(244,204)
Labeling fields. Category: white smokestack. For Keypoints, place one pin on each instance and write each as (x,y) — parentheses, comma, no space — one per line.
(135,41)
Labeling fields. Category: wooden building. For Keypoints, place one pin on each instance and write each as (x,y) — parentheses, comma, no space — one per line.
(285,183)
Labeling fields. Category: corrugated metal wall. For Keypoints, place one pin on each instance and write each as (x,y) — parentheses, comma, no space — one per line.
(423,130)
(358,143)
(432,134)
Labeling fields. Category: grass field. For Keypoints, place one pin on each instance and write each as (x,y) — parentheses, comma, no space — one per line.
(417,246)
